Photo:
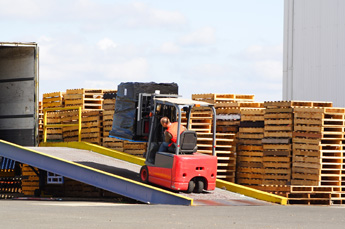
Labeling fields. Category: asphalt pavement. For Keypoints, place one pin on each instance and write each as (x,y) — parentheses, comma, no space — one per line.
(94,214)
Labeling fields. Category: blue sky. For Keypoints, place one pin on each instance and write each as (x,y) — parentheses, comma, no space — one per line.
(223,46)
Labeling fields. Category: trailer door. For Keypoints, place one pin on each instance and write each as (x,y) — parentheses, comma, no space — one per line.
(19,93)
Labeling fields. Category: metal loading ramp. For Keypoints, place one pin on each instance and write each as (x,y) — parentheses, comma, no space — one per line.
(88,167)
(118,172)
(226,193)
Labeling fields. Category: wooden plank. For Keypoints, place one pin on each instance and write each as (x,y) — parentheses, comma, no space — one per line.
(278,128)
(278,116)
(278,122)
(286,153)
(311,141)
(279,110)
(251,130)
(286,147)
(277,134)
(306,135)
(296,146)
(276,140)
(276,159)
(316,129)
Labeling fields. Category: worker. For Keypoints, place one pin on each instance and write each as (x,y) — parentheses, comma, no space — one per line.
(170,133)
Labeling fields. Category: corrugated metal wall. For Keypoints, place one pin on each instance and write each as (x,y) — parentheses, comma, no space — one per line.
(314,51)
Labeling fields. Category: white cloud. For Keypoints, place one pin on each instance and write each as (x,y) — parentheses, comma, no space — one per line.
(91,14)
(169,48)
(106,43)
(140,14)
(203,36)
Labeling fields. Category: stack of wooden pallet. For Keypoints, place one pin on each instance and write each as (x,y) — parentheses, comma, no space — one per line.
(316,195)
(223,98)
(109,99)
(53,100)
(201,120)
(134,148)
(332,145)
(74,188)
(225,152)
(10,187)
(30,181)
(40,121)
(250,169)
(291,134)
(228,108)
(113,143)
(306,160)
(54,134)
(228,111)
(277,143)
(85,98)
(322,161)
(91,126)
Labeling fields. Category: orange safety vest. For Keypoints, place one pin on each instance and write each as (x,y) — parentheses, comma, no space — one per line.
(172,129)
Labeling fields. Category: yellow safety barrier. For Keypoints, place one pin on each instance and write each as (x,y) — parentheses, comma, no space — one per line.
(46,126)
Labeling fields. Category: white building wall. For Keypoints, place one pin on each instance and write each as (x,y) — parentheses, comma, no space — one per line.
(314,51)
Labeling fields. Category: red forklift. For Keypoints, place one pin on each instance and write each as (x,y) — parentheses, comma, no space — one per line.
(181,168)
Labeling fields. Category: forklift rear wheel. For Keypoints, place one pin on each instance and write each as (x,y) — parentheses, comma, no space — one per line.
(144,174)
(191,186)
(199,186)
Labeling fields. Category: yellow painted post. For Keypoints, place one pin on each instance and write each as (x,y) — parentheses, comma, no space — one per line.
(79,126)
(45,126)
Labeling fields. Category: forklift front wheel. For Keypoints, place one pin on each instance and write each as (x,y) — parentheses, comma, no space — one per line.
(144,174)
(191,186)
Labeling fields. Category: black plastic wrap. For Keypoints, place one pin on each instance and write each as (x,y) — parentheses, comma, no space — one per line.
(124,122)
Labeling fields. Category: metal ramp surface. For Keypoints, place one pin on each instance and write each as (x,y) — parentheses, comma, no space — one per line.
(93,169)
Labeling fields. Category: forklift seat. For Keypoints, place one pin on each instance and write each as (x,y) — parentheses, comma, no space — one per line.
(188,142)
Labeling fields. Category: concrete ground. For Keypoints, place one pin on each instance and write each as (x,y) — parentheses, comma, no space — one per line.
(87,214)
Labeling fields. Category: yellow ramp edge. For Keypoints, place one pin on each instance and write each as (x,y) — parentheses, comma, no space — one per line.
(98,149)
(251,192)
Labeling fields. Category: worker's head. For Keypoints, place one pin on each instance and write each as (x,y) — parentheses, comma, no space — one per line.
(165,122)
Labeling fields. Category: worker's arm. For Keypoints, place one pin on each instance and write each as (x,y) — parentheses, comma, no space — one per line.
(167,137)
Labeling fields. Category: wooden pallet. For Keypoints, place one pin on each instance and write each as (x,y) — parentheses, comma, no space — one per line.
(30,181)
(201,121)
(250,169)
(113,143)
(54,134)
(237,104)
(108,115)
(281,190)
(91,128)
(321,195)
(53,100)
(86,98)
(225,151)
(279,104)
(214,98)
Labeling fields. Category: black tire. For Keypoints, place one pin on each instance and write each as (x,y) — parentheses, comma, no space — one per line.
(191,186)
(199,186)
(144,174)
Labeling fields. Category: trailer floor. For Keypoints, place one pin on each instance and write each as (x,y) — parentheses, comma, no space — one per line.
(131,171)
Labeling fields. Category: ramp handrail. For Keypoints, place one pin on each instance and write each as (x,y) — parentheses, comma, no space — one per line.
(46,126)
